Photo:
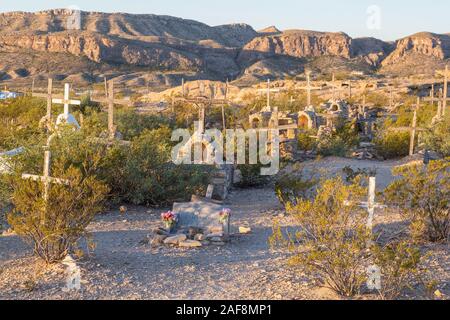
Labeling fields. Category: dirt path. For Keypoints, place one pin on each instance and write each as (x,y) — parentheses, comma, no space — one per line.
(123,268)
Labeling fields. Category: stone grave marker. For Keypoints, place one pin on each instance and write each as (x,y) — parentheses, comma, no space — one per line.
(201,214)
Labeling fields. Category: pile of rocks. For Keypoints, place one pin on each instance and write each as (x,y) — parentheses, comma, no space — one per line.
(192,237)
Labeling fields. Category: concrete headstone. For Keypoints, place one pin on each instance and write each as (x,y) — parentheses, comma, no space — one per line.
(203,215)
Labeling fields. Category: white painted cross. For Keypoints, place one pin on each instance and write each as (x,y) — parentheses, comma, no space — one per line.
(268,91)
(67,102)
(308,87)
(370,205)
(45,178)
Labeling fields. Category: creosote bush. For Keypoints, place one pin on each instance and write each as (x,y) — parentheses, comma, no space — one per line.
(296,185)
(399,263)
(53,227)
(423,194)
(332,236)
(391,144)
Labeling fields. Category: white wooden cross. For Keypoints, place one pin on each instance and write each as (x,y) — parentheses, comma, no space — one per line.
(67,102)
(268,91)
(308,87)
(45,178)
(370,205)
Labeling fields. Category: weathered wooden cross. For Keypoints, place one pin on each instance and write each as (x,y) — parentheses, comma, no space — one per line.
(308,87)
(446,74)
(268,91)
(110,101)
(413,129)
(45,179)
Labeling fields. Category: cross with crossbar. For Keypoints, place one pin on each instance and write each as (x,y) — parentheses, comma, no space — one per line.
(309,88)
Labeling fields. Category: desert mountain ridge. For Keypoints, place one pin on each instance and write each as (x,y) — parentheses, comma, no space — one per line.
(155,49)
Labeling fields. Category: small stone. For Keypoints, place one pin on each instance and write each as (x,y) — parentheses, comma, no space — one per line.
(245,230)
(216,229)
(160,231)
(190,244)
(123,210)
(158,240)
(193,231)
(8,233)
(200,237)
(214,235)
(438,294)
(175,239)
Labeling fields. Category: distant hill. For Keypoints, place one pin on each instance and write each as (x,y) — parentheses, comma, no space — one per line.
(150,48)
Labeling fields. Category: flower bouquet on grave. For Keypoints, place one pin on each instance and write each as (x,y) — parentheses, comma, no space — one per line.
(224,215)
(170,220)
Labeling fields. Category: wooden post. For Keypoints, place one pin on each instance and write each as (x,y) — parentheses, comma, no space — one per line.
(110,95)
(413,129)
(268,93)
(49,99)
(444,101)
(432,95)
(106,87)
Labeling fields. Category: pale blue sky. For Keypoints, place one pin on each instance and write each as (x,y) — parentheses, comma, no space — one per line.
(399,18)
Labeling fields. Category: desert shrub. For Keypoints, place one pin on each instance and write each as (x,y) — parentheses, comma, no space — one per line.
(294,186)
(391,144)
(53,227)
(144,173)
(339,143)
(251,176)
(438,138)
(332,236)
(399,264)
(306,142)
(423,194)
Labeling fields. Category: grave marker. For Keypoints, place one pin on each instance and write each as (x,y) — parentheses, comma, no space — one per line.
(45,179)
(309,88)
(200,214)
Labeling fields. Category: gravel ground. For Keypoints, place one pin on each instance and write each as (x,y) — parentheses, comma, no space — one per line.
(122,267)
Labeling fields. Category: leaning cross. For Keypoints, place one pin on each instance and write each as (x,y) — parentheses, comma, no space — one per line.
(446,74)
(308,87)
(268,91)
(413,129)
(66,101)
(45,178)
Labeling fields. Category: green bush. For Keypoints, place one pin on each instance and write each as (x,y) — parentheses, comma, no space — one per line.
(423,194)
(438,138)
(391,145)
(295,186)
(340,142)
(53,227)
(251,176)
(399,263)
(144,174)
(331,239)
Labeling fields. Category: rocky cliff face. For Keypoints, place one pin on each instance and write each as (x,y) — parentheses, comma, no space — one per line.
(123,42)
(127,26)
(298,44)
(426,44)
